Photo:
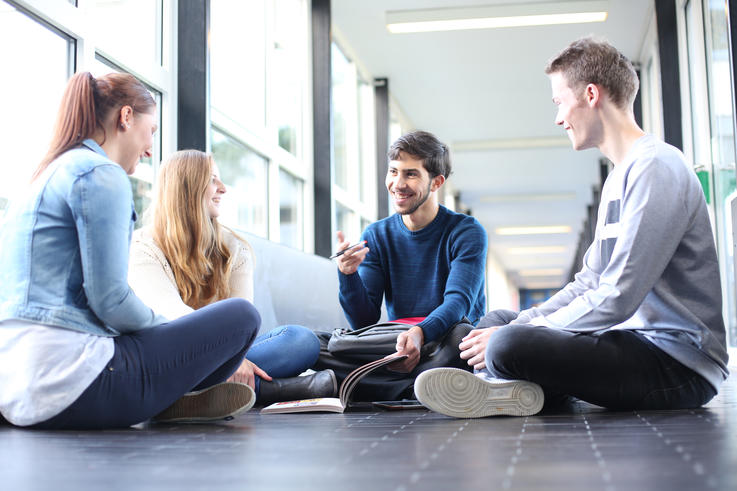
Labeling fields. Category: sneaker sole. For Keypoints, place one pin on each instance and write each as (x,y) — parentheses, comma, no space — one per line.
(223,401)
(461,394)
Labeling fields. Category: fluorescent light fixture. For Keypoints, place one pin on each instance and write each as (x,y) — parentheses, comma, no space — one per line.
(541,272)
(547,229)
(536,250)
(496,16)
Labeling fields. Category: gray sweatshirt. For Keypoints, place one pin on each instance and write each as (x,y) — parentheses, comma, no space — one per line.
(652,266)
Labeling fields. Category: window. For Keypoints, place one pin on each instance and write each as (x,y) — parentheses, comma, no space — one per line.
(259,62)
(345,107)
(698,92)
(45,59)
(291,195)
(650,87)
(712,142)
(289,67)
(128,29)
(721,118)
(238,62)
(353,146)
(243,172)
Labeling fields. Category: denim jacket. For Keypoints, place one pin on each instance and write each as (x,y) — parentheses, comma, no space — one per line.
(64,248)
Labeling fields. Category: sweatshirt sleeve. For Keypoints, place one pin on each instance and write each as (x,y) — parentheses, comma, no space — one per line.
(102,205)
(362,292)
(584,280)
(653,218)
(241,276)
(467,268)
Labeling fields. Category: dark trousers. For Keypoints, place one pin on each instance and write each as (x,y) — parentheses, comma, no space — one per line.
(154,367)
(618,369)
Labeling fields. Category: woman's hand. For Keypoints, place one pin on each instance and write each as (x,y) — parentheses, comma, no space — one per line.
(247,372)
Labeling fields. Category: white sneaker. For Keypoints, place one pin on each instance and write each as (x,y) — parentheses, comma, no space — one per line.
(461,394)
(221,401)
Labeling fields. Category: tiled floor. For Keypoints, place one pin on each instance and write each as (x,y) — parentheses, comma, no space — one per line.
(586,448)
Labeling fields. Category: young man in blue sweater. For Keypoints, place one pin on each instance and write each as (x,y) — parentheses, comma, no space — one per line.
(427,262)
(641,326)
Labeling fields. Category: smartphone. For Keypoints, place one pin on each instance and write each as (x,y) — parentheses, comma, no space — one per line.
(398,405)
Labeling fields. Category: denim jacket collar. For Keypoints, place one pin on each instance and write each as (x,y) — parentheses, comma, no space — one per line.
(94,146)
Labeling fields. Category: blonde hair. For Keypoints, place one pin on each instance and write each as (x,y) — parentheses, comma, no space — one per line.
(189,238)
(592,61)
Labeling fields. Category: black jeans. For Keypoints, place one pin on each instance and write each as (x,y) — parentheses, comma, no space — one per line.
(617,369)
(154,367)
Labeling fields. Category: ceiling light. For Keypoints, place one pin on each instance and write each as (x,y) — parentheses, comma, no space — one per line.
(548,229)
(537,250)
(497,16)
(541,272)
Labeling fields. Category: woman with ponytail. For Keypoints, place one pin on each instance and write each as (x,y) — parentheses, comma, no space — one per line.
(79,349)
(186,260)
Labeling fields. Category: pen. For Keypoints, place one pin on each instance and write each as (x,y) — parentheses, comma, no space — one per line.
(340,253)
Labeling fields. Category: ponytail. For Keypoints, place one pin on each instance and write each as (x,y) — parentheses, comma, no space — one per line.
(86,104)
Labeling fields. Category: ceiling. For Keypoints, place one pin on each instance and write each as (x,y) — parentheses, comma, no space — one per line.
(484,92)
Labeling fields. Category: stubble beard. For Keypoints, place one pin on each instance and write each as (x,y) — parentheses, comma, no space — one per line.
(417,205)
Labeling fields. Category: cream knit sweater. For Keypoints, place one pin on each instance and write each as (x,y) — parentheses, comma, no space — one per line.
(152,279)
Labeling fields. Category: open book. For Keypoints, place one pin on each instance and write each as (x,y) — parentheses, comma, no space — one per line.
(332,404)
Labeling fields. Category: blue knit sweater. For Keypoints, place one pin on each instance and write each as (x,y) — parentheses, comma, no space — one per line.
(436,272)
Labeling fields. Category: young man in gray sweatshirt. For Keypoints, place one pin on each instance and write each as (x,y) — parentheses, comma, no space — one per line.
(640,326)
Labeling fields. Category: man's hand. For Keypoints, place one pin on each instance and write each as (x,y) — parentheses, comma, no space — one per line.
(408,343)
(473,347)
(348,261)
(247,372)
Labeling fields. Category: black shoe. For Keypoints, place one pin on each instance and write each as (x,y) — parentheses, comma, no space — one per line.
(221,401)
(318,384)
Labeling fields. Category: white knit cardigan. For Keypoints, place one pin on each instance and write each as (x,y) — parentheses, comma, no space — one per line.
(152,279)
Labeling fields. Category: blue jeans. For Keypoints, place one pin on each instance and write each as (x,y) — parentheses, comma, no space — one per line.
(284,351)
(618,369)
(154,367)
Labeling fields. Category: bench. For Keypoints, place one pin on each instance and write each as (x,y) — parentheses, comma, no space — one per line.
(293,287)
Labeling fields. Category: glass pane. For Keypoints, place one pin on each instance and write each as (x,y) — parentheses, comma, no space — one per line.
(343,115)
(699,125)
(290,210)
(143,178)
(128,28)
(244,172)
(344,219)
(366,138)
(288,72)
(42,60)
(238,61)
(722,150)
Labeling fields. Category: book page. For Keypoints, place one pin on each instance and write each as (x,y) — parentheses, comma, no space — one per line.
(350,382)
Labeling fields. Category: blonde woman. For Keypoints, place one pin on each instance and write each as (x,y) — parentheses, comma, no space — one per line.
(186,260)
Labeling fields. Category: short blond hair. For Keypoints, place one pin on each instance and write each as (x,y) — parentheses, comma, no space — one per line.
(590,61)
